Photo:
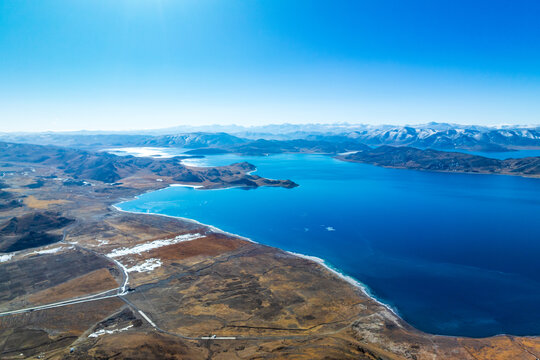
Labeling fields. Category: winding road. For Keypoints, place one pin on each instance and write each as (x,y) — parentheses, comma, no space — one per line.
(123,290)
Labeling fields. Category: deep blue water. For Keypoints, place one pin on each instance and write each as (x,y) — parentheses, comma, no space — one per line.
(505,154)
(454,254)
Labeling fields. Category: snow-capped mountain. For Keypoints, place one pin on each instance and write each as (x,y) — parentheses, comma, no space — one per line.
(486,139)
(441,136)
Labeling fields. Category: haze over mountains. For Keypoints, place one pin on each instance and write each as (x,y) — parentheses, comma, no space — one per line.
(422,147)
(433,135)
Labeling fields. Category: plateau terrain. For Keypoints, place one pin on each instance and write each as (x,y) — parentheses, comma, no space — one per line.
(257,180)
(82,280)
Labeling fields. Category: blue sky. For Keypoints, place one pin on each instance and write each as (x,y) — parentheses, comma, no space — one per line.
(130,64)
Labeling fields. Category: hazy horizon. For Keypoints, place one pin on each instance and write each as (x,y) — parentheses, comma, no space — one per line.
(141,64)
(231,127)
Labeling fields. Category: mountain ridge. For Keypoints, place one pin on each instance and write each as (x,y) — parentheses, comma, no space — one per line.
(442,161)
(440,136)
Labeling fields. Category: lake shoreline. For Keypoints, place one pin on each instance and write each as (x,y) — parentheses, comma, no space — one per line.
(351,232)
(364,289)
(343,276)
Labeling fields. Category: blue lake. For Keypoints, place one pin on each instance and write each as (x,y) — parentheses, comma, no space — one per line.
(506,154)
(454,254)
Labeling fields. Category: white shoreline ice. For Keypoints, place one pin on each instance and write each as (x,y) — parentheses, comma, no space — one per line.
(193,221)
(345,277)
(185,185)
(211,227)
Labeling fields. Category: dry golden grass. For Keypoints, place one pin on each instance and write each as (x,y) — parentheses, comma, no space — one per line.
(210,245)
(254,291)
(91,283)
(73,319)
(141,345)
(34,203)
(498,348)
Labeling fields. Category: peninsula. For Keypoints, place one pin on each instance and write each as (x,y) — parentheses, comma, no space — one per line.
(443,161)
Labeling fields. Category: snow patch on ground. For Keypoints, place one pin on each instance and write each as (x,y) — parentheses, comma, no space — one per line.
(4,258)
(147,266)
(103,332)
(154,152)
(153,245)
(48,251)
(348,152)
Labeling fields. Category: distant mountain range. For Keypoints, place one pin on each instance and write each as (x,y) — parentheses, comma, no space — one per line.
(333,138)
(356,146)
(451,139)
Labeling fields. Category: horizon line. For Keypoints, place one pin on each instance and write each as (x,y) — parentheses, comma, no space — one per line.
(329,124)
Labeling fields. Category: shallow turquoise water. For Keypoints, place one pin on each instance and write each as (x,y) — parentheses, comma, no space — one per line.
(454,254)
